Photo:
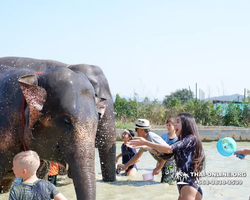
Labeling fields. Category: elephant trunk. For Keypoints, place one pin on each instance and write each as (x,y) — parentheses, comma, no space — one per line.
(83,172)
(81,160)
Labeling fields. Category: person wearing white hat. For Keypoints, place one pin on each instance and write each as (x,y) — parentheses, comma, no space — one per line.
(142,127)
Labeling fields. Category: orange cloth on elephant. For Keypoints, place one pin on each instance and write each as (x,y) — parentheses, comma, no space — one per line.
(53,169)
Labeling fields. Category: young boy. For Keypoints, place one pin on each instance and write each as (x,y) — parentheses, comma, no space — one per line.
(25,165)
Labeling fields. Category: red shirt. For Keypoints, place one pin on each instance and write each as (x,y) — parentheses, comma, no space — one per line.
(53,169)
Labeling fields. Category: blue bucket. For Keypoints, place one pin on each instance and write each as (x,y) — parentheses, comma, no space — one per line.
(226,146)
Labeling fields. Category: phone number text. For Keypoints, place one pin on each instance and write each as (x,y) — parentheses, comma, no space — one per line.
(219,182)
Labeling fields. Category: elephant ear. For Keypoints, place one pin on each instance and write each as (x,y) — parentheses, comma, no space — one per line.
(34,95)
(101,107)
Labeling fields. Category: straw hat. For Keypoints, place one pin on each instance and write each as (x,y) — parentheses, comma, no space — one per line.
(142,124)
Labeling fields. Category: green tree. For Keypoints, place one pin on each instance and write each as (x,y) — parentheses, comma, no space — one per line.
(120,107)
(246,112)
(233,115)
(173,108)
(133,109)
(216,116)
(154,111)
(204,112)
(184,95)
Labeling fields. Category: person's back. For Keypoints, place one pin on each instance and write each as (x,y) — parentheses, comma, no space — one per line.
(153,137)
(25,165)
(39,190)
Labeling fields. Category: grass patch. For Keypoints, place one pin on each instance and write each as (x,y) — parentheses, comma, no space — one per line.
(121,125)
(130,125)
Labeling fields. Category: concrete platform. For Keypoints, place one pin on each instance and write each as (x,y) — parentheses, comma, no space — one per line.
(207,134)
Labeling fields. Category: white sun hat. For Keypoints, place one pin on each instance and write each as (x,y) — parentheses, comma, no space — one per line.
(142,124)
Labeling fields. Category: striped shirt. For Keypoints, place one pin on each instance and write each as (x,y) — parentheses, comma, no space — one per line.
(39,190)
(53,169)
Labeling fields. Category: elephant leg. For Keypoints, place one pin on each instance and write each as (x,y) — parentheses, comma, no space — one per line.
(66,174)
(6,177)
(106,143)
(6,184)
(63,170)
(43,170)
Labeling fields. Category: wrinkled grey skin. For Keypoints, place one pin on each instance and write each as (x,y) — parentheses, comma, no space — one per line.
(69,111)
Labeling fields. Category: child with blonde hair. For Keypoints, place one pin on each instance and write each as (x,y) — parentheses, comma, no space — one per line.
(25,165)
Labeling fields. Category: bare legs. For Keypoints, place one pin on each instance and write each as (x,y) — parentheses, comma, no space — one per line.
(189,193)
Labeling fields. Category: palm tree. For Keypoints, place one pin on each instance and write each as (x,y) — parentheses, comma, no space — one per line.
(178,174)
(185,176)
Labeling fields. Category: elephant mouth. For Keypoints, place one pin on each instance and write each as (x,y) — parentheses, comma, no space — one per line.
(60,155)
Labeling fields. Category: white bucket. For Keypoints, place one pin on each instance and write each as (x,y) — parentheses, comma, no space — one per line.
(148,176)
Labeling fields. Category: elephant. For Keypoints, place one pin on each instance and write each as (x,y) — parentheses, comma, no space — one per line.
(60,111)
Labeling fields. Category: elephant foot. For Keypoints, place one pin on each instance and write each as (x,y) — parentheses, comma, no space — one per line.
(62,170)
(109,179)
(6,185)
(64,180)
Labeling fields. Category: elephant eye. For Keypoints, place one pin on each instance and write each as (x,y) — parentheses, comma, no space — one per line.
(67,120)
(63,122)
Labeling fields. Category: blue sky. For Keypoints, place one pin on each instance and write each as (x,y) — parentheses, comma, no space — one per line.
(151,47)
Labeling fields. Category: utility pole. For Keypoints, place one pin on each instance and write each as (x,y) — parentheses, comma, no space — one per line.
(196,91)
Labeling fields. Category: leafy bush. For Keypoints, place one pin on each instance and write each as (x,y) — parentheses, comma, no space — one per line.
(128,111)
(233,115)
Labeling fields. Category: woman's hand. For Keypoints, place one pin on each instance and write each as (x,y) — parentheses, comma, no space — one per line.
(243,152)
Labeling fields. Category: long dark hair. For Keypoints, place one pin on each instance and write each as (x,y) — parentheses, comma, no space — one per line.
(189,127)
